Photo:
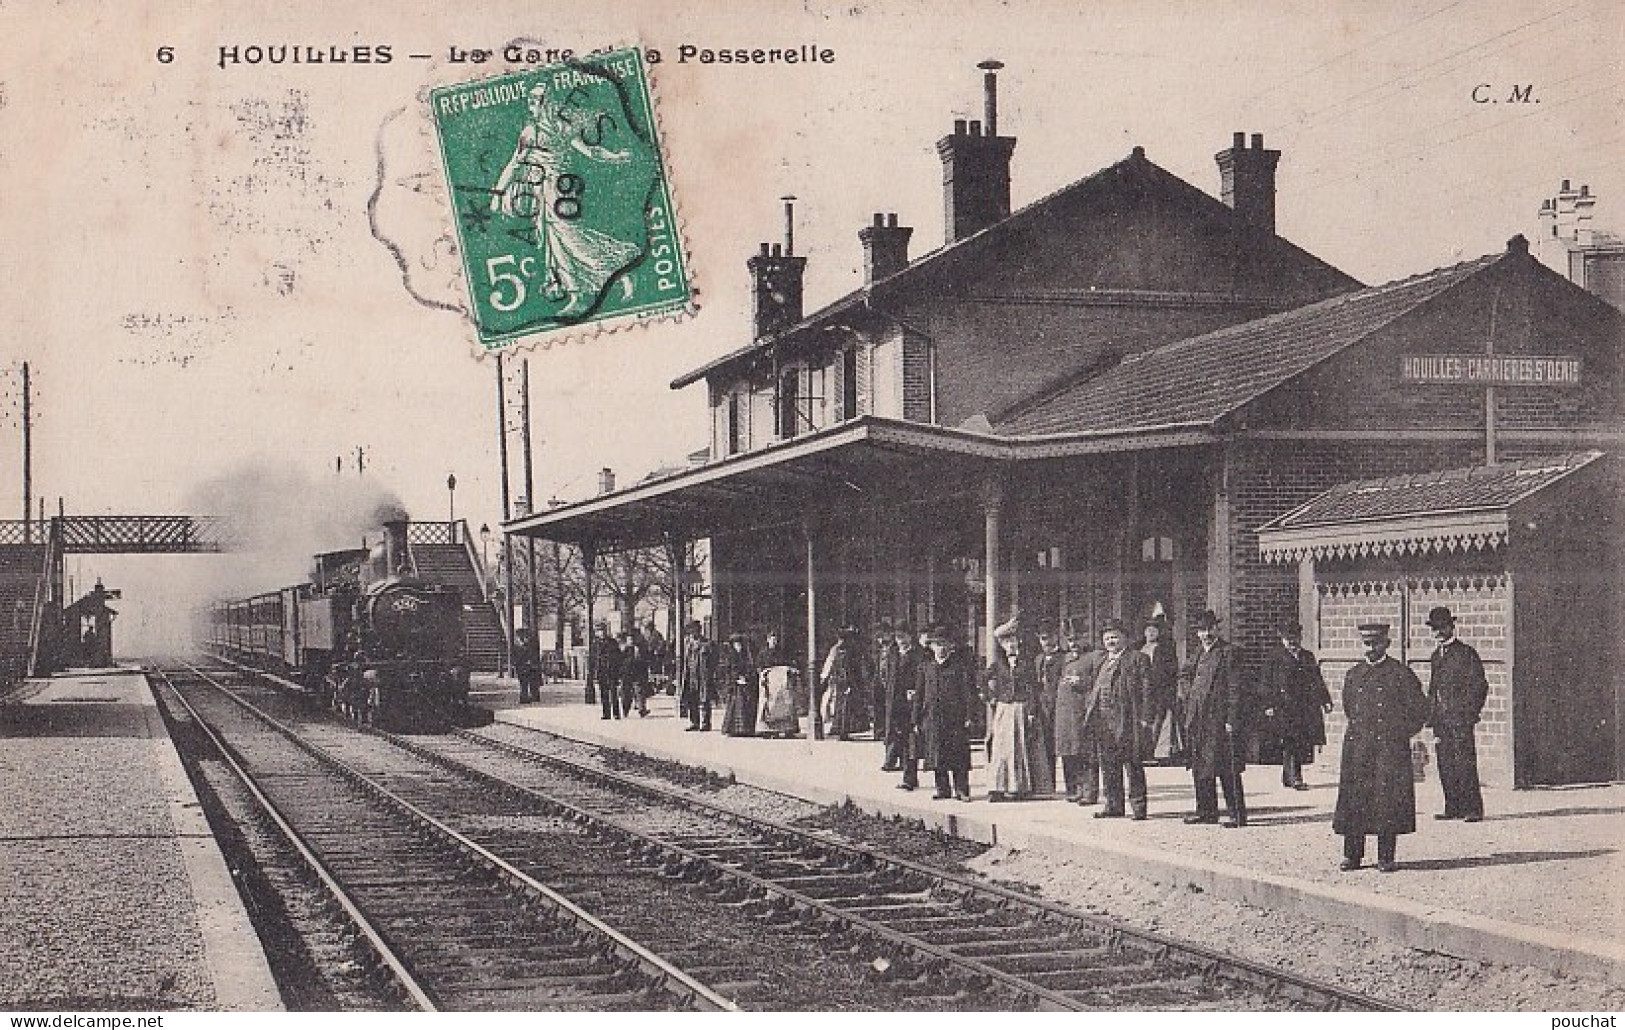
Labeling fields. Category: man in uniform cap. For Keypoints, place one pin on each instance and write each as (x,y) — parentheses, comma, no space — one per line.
(1456,693)
(1383,701)
(1210,700)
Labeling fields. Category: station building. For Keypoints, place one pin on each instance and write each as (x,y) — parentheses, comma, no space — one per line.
(1089,408)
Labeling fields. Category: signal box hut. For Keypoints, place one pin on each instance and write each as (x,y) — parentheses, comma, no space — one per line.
(1525,554)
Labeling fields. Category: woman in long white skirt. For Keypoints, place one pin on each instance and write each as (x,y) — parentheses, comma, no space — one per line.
(1012,686)
(779,702)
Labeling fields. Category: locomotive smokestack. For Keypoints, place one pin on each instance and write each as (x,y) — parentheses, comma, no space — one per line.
(395,553)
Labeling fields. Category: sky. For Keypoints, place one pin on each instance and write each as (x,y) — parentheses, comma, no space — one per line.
(200,262)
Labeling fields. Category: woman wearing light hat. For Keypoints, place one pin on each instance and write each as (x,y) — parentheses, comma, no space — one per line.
(1012,684)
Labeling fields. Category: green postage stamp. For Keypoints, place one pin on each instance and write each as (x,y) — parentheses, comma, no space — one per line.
(560,197)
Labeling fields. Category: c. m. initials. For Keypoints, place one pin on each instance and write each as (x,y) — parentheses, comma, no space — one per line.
(1489,93)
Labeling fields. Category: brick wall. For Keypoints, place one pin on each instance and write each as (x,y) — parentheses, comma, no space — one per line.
(1482,605)
(1483,610)
(1270,479)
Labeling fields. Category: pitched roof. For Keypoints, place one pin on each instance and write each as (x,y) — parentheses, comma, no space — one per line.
(1477,488)
(1199,380)
(968,248)
(1459,510)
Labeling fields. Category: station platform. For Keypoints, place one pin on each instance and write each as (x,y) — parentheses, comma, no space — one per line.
(1534,884)
(113,892)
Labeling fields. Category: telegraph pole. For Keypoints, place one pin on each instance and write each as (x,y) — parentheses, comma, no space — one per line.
(28,458)
(507,512)
(530,497)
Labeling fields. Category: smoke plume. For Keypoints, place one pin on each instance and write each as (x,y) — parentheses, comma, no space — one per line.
(280,517)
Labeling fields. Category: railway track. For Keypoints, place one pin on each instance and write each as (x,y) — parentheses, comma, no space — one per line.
(920,918)
(450,924)
(917,924)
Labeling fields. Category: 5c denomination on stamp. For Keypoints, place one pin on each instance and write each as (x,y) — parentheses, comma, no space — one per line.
(560,197)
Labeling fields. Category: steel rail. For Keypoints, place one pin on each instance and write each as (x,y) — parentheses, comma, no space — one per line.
(1156,944)
(375,940)
(832,913)
(666,976)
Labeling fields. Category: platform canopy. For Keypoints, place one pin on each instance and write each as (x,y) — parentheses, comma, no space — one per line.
(869,459)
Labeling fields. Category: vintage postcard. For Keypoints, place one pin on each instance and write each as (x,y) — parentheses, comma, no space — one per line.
(812,506)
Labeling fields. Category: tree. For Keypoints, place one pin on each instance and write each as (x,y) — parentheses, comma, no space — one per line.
(635,581)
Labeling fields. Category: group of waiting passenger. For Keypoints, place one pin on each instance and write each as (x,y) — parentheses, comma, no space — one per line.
(1108,711)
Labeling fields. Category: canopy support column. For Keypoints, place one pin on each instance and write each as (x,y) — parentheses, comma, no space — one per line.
(589,561)
(807,531)
(992,510)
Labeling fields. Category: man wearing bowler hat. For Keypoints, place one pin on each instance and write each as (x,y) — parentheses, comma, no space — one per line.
(1456,692)
(1210,697)
(1116,709)
(1080,762)
(1383,701)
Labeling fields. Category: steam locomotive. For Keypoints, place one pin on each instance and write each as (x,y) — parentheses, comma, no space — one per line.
(380,646)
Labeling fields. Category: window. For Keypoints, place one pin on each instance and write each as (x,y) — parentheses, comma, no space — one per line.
(801,401)
(849,383)
(736,425)
(1157,549)
(789,403)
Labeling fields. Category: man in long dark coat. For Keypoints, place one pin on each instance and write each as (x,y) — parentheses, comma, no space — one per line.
(1117,699)
(1295,701)
(1375,793)
(942,714)
(886,696)
(634,673)
(1211,704)
(608,676)
(1041,742)
(1159,649)
(527,665)
(1080,764)
(911,658)
(1457,690)
(697,688)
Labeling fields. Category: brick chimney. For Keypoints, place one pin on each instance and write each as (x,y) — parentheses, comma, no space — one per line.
(885,247)
(1247,179)
(776,275)
(606,481)
(976,167)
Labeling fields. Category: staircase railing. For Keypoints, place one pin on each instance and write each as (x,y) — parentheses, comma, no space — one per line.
(41,598)
(442,534)
(475,561)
